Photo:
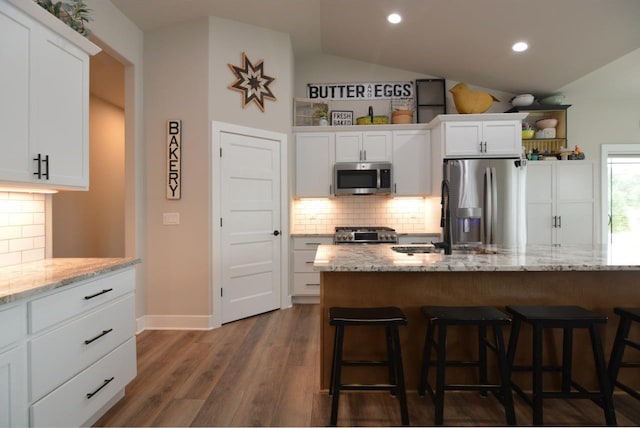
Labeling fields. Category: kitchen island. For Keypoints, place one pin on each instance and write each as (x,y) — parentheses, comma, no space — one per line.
(597,278)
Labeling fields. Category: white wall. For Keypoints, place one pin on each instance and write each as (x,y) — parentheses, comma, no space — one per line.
(228,39)
(334,69)
(602,112)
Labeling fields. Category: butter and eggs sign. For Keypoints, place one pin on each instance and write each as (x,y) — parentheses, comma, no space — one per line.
(360,91)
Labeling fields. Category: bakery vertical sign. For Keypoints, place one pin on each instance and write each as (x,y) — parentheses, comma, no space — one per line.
(174,156)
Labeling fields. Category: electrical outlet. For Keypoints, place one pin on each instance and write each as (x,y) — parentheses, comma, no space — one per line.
(170,218)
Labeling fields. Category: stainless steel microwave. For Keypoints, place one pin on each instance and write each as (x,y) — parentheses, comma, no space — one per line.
(362,178)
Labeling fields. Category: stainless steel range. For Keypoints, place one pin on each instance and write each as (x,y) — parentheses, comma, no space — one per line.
(365,235)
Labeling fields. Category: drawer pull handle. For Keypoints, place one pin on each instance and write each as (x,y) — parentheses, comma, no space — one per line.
(312,243)
(309,263)
(104,333)
(105,383)
(98,294)
(312,284)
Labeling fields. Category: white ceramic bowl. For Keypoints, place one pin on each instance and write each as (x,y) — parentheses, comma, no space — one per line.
(522,100)
(546,123)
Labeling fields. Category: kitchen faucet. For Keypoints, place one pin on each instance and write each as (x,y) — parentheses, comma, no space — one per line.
(445,219)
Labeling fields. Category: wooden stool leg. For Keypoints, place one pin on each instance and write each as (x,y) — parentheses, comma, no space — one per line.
(537,375)
(336,375)
(513,342)
(505,381)
(603,379)
(426,360)
(617,351)
(401,390)
(567,358)
(482,356)
(441,351)
(391,357)
(334,361)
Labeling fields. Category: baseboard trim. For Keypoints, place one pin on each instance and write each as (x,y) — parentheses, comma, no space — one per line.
(305,300)
(174,322)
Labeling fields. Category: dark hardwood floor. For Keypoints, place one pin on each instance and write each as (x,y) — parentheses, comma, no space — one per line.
(263,371)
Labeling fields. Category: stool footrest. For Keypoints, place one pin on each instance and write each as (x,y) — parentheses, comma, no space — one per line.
(629,365)
(635,394)
(466,387)
(530,368)
(454,363)
(365,363)
(629,342)
(367,387)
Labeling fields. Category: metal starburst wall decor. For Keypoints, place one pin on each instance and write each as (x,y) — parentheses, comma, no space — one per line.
(252,82)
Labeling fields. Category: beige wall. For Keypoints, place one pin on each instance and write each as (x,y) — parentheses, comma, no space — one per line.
(118,36)
(176,63)
(91,224)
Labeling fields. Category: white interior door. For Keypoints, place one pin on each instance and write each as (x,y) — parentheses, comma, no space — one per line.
(250,235)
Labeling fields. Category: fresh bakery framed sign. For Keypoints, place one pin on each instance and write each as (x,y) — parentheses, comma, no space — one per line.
(360,91)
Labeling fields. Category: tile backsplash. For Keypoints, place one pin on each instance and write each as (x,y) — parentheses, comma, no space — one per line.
(22,227)
(406,215)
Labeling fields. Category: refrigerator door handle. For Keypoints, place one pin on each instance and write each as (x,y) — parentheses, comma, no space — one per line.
(488,205)
(494,204)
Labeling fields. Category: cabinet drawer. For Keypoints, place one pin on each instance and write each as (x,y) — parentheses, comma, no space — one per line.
(303,261)
(13,324)
(306,284)
(79,399)
(57,307)
(58,355)
(311,243)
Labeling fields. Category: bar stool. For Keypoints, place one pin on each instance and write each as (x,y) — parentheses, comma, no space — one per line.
(567,318)
(483,317)
(389,318)
(627,316)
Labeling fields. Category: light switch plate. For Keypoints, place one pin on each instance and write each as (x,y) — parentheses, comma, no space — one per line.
(170,218)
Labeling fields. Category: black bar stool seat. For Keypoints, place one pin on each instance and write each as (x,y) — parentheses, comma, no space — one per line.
(482,317)
(567,318)
(627,316)
(388,317)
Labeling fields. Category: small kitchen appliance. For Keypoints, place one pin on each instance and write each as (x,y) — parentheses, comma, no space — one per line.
(362,178)
(365,235)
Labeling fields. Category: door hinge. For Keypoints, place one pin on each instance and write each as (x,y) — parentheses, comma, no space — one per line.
(220,221)
(221,293)
(220,151)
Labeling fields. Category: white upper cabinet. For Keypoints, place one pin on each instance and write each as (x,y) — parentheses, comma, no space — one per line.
(45,116)
(368,146)
(411,163)
(496,135)
(315,157)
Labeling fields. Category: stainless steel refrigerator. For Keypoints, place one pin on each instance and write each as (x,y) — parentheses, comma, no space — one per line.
(487,200)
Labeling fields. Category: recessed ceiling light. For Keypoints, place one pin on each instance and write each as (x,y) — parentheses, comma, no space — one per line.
(520,47)
(394,18)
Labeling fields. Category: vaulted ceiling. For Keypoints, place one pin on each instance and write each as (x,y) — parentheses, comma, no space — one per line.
(463,40)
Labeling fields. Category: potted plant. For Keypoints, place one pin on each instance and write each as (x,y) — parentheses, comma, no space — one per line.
(323,117)
(74,13)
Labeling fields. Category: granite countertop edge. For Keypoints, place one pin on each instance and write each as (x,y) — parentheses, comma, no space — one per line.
(381,258)
(30,279)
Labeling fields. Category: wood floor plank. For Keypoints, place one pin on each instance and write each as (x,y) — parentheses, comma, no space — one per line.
(264,371)
(178,413)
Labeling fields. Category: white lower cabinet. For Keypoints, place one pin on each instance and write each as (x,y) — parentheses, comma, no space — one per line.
(306,281)
(77,354)
(77,400)
(560,203)
(13,366)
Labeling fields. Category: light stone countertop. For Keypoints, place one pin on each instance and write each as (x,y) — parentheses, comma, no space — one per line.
(381,258)
(29,279)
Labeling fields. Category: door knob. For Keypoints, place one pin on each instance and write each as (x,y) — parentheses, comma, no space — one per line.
(276,232)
